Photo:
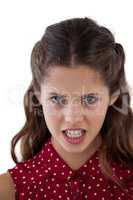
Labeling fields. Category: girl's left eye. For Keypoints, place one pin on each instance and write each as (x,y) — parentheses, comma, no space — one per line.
(90,99)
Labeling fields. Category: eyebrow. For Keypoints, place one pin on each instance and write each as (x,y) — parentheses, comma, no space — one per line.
(54,93)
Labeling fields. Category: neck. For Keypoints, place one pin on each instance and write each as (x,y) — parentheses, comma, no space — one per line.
(76,160)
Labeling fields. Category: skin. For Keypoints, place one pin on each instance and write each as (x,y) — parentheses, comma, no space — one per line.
(74,83)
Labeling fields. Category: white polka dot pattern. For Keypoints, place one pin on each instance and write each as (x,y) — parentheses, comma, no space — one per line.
(47,176)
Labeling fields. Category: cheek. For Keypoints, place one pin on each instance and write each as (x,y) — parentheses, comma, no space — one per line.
(52,118)
(96,115)
(51,113)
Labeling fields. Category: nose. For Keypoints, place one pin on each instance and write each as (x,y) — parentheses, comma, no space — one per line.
(73,114)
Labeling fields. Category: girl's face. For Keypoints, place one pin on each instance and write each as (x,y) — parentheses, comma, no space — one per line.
(74,98)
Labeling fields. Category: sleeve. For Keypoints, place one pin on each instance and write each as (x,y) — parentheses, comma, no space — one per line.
(19,177)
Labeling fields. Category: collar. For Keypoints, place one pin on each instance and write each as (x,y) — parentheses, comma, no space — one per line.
(56,166)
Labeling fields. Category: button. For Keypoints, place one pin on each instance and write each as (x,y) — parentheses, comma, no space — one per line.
(74,186)
(75,195)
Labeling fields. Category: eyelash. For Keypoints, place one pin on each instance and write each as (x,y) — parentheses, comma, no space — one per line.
(57,102)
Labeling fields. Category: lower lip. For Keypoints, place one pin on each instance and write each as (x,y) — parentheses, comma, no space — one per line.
(74,140)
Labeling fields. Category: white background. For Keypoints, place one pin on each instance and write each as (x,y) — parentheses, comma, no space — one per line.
(22,23)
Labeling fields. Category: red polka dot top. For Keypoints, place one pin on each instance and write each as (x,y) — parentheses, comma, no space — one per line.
(47,176)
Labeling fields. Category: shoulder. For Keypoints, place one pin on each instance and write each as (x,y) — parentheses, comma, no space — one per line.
(23,172)
(7,190)
(124,172)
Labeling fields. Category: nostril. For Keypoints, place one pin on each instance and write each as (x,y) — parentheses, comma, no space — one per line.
(63,132)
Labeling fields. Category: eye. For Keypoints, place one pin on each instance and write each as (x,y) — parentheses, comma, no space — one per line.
(89,99)
(58,100)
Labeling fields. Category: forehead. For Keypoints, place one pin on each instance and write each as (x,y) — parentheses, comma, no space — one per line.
(65,80)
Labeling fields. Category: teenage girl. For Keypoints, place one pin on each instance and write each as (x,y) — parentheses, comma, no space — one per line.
(77,140)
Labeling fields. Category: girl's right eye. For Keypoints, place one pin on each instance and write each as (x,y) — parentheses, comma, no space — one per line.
(58,100)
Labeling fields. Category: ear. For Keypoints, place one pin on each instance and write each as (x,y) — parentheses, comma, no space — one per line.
(114,97)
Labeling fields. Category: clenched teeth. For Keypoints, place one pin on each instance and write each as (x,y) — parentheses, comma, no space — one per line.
(74,134)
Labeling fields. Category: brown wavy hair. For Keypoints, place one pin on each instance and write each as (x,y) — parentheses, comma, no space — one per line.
(69,43)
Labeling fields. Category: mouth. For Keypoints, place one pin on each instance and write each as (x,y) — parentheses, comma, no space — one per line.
(74,137)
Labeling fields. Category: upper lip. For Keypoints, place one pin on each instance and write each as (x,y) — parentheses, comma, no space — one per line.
(73,129)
